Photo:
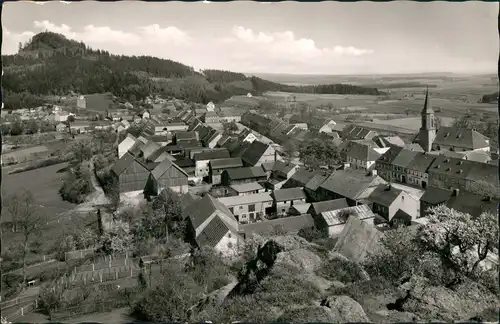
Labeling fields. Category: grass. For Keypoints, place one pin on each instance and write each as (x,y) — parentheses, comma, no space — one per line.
(410,122)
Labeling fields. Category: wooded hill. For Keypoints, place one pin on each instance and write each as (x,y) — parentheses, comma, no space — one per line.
(51,64)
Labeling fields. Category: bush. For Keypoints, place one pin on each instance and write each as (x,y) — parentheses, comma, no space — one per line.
(360,289)
(311,234)
(341,270)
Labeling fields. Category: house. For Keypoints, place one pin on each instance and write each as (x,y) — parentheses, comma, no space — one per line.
(164,128)
(212,224)
(79,126)
(146,114)
(387,201)
(186,164)
(200,112)
(61,127)
(299,178)
(184,136)
(393,164)
(203,159)
(433,196)
(126,145)
(353,185)
(285,198)
(249,208)
(299,209)
(242,175)
(229,117)
(334,221)
(282,170)
(209,136)
(246,135)
(460,140)
(211,117)
(311,187)
(247,188)
(210,106)
(131,174)
(257,153)
(160,155)
(388,141)
(353,132)
(216,167)
(358,240)
(416,170)
(290,225)
(359,155)
(327,127)
(168,175)
(325,206)
(249,95)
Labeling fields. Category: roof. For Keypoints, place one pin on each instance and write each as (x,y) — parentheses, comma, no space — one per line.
(316,181)
(245,173)
(211,155)
(453,167)
(329,205)
(335,217)
(291,224)
(203,208)
(413,147)
(303,176)
(391,154)
(246,199)
(477,156)
(436,196)
(421,162)
(427,104)
(460,137)
(472,204)
(246,187)
(355,132)
(226,163)
(185,135)
(122,163)
(149,149)
(254,152)
(384,195)
(163,166)
(283,166)
(348,183)
(360,151)
(188,143)
(386,141)
(358,240)
(211,114)
(301,208)
(267,166)
(213,233)
(404,158)
(184,162)
(289,194)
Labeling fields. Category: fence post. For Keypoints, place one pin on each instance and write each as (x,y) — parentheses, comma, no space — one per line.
(131,272)
(36,303)
(100,276)
(22,311)
(93,267)
(81,254)
(116,272)
(44,258)
(110,262)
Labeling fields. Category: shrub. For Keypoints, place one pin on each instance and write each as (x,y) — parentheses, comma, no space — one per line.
(311,234)
(341,270)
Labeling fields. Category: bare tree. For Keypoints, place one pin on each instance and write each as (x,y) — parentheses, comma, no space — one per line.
(26,219)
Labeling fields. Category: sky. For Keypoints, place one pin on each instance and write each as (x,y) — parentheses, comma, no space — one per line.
(287,37)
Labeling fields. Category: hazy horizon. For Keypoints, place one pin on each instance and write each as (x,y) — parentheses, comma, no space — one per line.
(324,38)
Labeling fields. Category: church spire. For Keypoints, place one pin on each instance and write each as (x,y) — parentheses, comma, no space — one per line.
(427,104)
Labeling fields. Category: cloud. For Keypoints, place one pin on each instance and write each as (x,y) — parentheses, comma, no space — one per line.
(11,40)
(286,46)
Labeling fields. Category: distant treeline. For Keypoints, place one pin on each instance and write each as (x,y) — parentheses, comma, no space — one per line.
(400,85)
(489,98)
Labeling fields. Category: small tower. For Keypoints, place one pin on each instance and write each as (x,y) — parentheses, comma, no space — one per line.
(427,133)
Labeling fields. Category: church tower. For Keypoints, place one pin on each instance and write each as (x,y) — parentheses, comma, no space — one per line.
(427,132)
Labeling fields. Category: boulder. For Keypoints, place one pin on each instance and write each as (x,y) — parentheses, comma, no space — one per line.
(309,314)
(300,258)
(346,308)
(337,256)
(293,242)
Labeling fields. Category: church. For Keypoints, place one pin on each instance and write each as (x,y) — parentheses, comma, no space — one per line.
(433,140)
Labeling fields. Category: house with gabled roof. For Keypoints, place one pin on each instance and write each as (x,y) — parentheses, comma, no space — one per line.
(211,117)
(160,155)
(247,189)
(249,208)
(246,135)
(354,185)
(168,175)
(388,141)
(353,132)
(460,139)
(327,127)
(387,201)
(257,153)
(299,178)
(243,175)
(359,155)
(203,159)
(334,221)
(285,198)
(216,167)
(130,174)
(328,205)
(212,224)
(311,186)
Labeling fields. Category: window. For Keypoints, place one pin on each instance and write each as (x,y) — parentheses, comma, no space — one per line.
(403,198)
(243,215)
(229,235)
(241,207)
(251,208)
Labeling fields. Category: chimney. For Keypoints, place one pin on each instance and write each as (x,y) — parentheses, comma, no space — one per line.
(456,192)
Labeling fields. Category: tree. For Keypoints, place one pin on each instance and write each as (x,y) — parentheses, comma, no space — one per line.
(290,148)
(27,219)
(230,127)
(16,128)
(460,242)
(117,239)
(318,152)
(484,189)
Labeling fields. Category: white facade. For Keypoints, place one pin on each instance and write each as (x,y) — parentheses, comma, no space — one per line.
(81,102)
(214,141)
(250,138)
(210,106)
(328,127)
(202,168)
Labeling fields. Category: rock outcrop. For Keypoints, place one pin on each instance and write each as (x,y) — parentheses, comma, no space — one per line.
(345,309)
(309,314)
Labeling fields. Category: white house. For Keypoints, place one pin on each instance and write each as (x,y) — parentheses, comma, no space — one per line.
(334,221)
(328,127)
(126,145)
(81,102)
(249,95)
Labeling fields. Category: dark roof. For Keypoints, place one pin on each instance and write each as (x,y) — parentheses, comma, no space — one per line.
(483,172)
(288,194)
(245,173)
(149,149)
(427,104)
(163,166)
(211,155)
(472,204)
(360,151)
(179,135)
(185,162)
(290,225)
(404,158)
(391,154)
(226,163)
(354,132)
(122,163)
(156,154)
(459,137)
(203,208)
(254,152)
(212,233)
(328,205)
(384,195)
(435,195)
(283,166)
(452,167)
(348,183)
(421,162)
(171,148)
(316,181)
(303,176)
(188,143)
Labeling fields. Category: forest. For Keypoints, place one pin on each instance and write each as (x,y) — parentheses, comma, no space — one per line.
(51,64)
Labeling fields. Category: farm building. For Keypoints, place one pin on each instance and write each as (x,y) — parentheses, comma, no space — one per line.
(388,202)
(211,117)
(286,198)
(325,206)
(131,174)
(203,159)
(247,189)
(212,224)
(216,167)
(243,175)
(168,175)
(359,155)
(257,153)
(249,208)
(126,145)
(334,221)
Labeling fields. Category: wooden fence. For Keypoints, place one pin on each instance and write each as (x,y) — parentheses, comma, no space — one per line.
(15,313)
(78,254)
(75,311)
(16,302)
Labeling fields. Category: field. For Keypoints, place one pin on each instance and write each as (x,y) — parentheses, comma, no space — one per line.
(242,101)
(412,123)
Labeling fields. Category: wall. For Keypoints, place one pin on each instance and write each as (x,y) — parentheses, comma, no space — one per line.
(202,168)
(280,206)
(242,212)
(228,245)
(407,204)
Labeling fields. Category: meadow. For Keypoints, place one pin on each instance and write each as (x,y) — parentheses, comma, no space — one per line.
(412,123)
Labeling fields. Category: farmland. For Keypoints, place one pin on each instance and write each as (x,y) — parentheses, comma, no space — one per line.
(412,123)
